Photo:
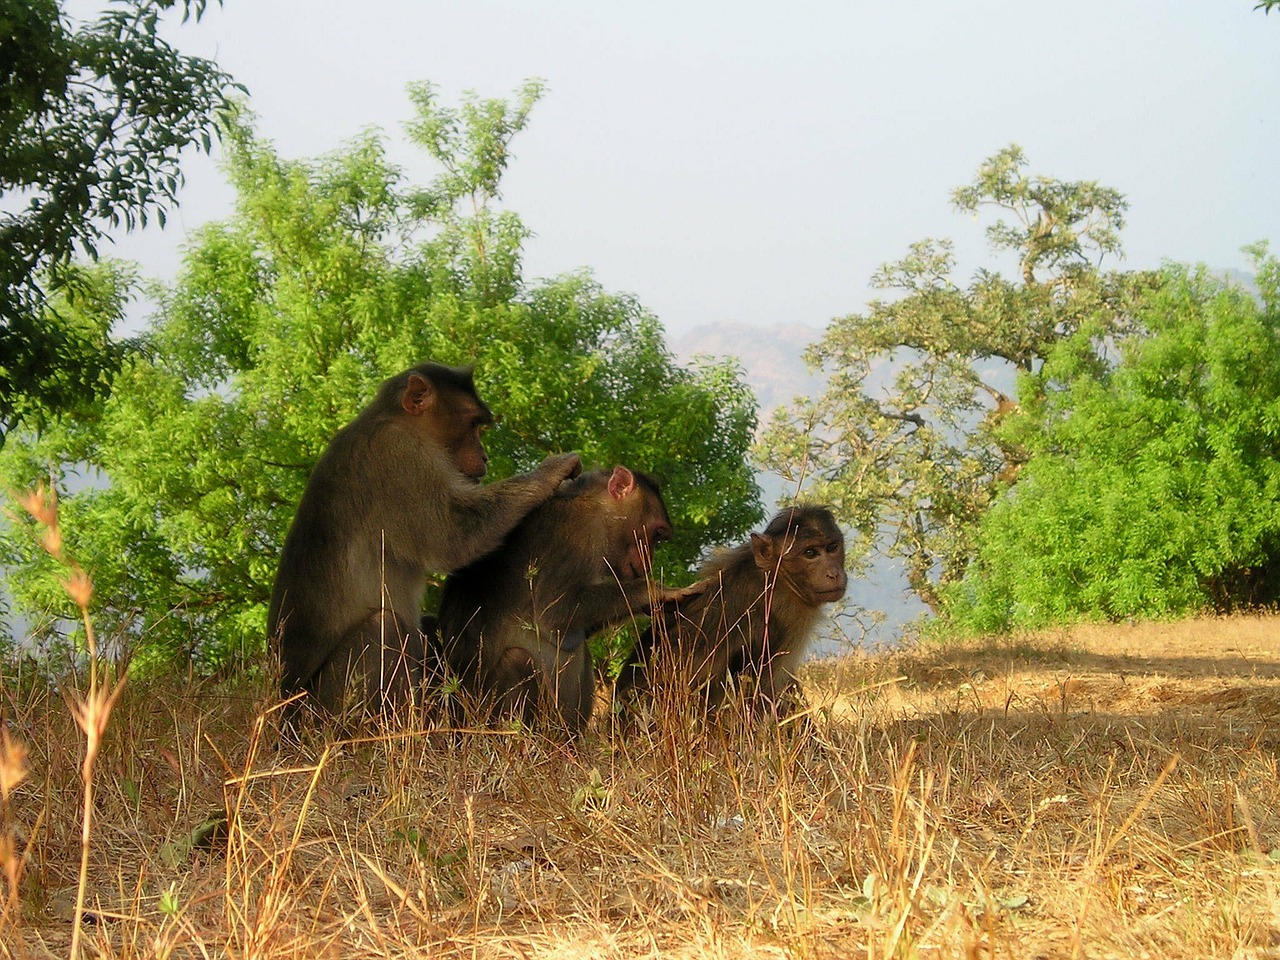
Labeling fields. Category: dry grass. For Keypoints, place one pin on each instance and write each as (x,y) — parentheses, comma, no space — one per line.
(1096,793)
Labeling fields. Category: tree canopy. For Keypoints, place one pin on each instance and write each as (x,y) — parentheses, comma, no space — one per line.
(904,440)
(1065,444)
(1152,486)
(93,121)
(332,275)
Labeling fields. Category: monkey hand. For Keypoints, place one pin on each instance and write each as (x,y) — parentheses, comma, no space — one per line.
(559,467)
(675,595)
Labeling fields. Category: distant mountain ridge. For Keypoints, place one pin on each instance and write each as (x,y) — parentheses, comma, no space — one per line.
(772,357)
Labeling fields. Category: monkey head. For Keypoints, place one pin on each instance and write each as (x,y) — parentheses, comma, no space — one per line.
(804,548)
(621,517)
(444,404)
(644,521)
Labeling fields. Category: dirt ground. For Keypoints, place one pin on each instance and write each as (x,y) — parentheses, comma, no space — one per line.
(1105,792)
(1211,665)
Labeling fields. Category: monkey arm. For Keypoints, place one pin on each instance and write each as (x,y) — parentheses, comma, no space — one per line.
(672,597)
(607,603)
(603,604)
(479,517)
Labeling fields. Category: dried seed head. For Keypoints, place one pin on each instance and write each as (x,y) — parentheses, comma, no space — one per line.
(13,764)
(52,542)
(79,587)
(41,503)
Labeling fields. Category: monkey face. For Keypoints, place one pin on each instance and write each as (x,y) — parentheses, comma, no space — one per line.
(655,529)
(470,457)
(639,520)
(817,567)
(806,547)
(464,420)
(443,404)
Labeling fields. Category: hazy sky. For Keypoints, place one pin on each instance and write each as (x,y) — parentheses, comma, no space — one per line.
(756,162)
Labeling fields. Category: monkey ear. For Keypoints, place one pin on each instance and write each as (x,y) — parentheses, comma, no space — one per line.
(763,548)
(621,483)
(419,395)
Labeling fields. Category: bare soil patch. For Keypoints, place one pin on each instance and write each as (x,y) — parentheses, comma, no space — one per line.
(1203,665)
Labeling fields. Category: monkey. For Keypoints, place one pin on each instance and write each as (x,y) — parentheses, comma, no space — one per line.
(394,496)
(514,624)
(759,605)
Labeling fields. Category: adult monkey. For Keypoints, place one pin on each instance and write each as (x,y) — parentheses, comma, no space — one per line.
(758,608)
(394,496)
(514,624)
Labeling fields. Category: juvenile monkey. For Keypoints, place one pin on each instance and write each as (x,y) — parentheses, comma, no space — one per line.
(394,496)
(757,610)
(514,624)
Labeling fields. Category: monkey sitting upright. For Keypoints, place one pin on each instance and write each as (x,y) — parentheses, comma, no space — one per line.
(393,497)
(514,624)
(757,610)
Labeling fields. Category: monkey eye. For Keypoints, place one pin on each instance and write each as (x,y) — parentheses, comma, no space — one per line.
(810,552)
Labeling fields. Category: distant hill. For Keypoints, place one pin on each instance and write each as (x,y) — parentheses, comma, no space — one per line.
(1241,278)
(773,357)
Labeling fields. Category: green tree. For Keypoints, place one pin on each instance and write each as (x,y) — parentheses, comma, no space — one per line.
(903,441)
(92,124)
(1153,487)
(331,276)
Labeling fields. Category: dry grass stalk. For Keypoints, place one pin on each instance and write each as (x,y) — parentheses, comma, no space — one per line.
(92,709)
(13,770)
(1013,798)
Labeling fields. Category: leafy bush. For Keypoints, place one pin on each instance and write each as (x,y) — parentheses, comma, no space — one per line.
(1153,484)
(331,276)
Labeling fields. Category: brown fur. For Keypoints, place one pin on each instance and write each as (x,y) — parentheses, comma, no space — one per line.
(757,609)
(393,497)
(515,624)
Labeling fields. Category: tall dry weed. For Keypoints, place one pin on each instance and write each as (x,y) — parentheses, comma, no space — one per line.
(91,705)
